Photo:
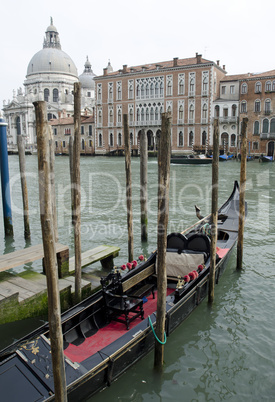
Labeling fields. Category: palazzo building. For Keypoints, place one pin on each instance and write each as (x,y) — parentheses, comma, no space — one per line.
(185,87)
(257,103)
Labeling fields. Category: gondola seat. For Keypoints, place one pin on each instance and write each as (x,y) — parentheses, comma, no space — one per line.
(199,242)
(121,308)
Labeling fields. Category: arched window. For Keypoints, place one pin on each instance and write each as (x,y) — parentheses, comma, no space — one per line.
(83,144)
(131,91)
(142,91)
(169,88)
(181,112)
(192,86)
(191,113)
(156,114)
(272,126)
(131,138)
(256,127)
(100,140)
(265,126)
(203,138)
(169,109)
(233,140)
(119,116)
(258,87)
(190,138)
(204,113)
(111,140)
(243,107)
(131,115)
(273,86)
(46,94)
(147,114)
(234,110)
(180,139)
(55,95)
(111,117)
(142,114)
(157,90)
(244,88)
(152,90)
(18,125)
(147,90)
(268,86)
(100,116)
(152,114)
(138,115)
(217,111)
(119,140)
(255,146)
(138,91)
(267,106)
(161,89)
(257,106)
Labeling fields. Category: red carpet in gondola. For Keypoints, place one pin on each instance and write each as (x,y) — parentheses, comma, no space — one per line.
(108,334)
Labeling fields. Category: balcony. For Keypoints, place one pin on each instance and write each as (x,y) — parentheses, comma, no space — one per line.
(266,136)
(226,119)
(191,94)
(180,121)
(267,112)
(146,123)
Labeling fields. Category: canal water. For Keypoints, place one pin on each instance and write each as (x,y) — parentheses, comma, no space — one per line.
(222,353)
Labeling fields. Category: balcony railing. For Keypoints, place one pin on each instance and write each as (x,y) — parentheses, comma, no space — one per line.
(267,136)
(145,123)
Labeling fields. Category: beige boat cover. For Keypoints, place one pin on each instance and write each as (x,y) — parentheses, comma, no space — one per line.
(182,264)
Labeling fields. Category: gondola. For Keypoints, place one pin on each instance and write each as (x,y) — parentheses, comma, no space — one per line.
(265,158)
(111,330)
(191,159)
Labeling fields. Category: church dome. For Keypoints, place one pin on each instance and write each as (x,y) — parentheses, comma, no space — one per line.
(87,77)
(51,59)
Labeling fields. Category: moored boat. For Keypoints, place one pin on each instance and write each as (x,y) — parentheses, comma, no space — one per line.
(191,159)
(265,158)
(109,331)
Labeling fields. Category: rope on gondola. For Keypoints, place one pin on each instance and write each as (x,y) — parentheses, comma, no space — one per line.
(155,335)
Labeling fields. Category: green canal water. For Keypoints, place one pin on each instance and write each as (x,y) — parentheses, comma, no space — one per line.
(222,353)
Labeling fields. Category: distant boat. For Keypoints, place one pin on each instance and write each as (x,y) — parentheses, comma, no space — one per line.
(225,157)
(191,160)
(265,158)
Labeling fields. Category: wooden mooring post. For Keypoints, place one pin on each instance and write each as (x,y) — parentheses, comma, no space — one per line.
(22,168)
(214,211)
(242,193)
(54,311)
(143,185)
(5,179)
(53,194)
(128,188)
(77,190)
(164,152)
(71,156)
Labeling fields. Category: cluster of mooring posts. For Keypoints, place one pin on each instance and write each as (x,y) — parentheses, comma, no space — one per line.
(49,225)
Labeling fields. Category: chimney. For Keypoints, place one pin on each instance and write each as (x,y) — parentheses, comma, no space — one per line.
(218,62)
(223,66)
(105,71)
(198,56)
(124,69)
(175,61)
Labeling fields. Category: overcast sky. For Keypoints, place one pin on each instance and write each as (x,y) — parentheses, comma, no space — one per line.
(239,33)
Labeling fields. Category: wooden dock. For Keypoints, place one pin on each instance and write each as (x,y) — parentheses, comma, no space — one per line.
(24,294)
